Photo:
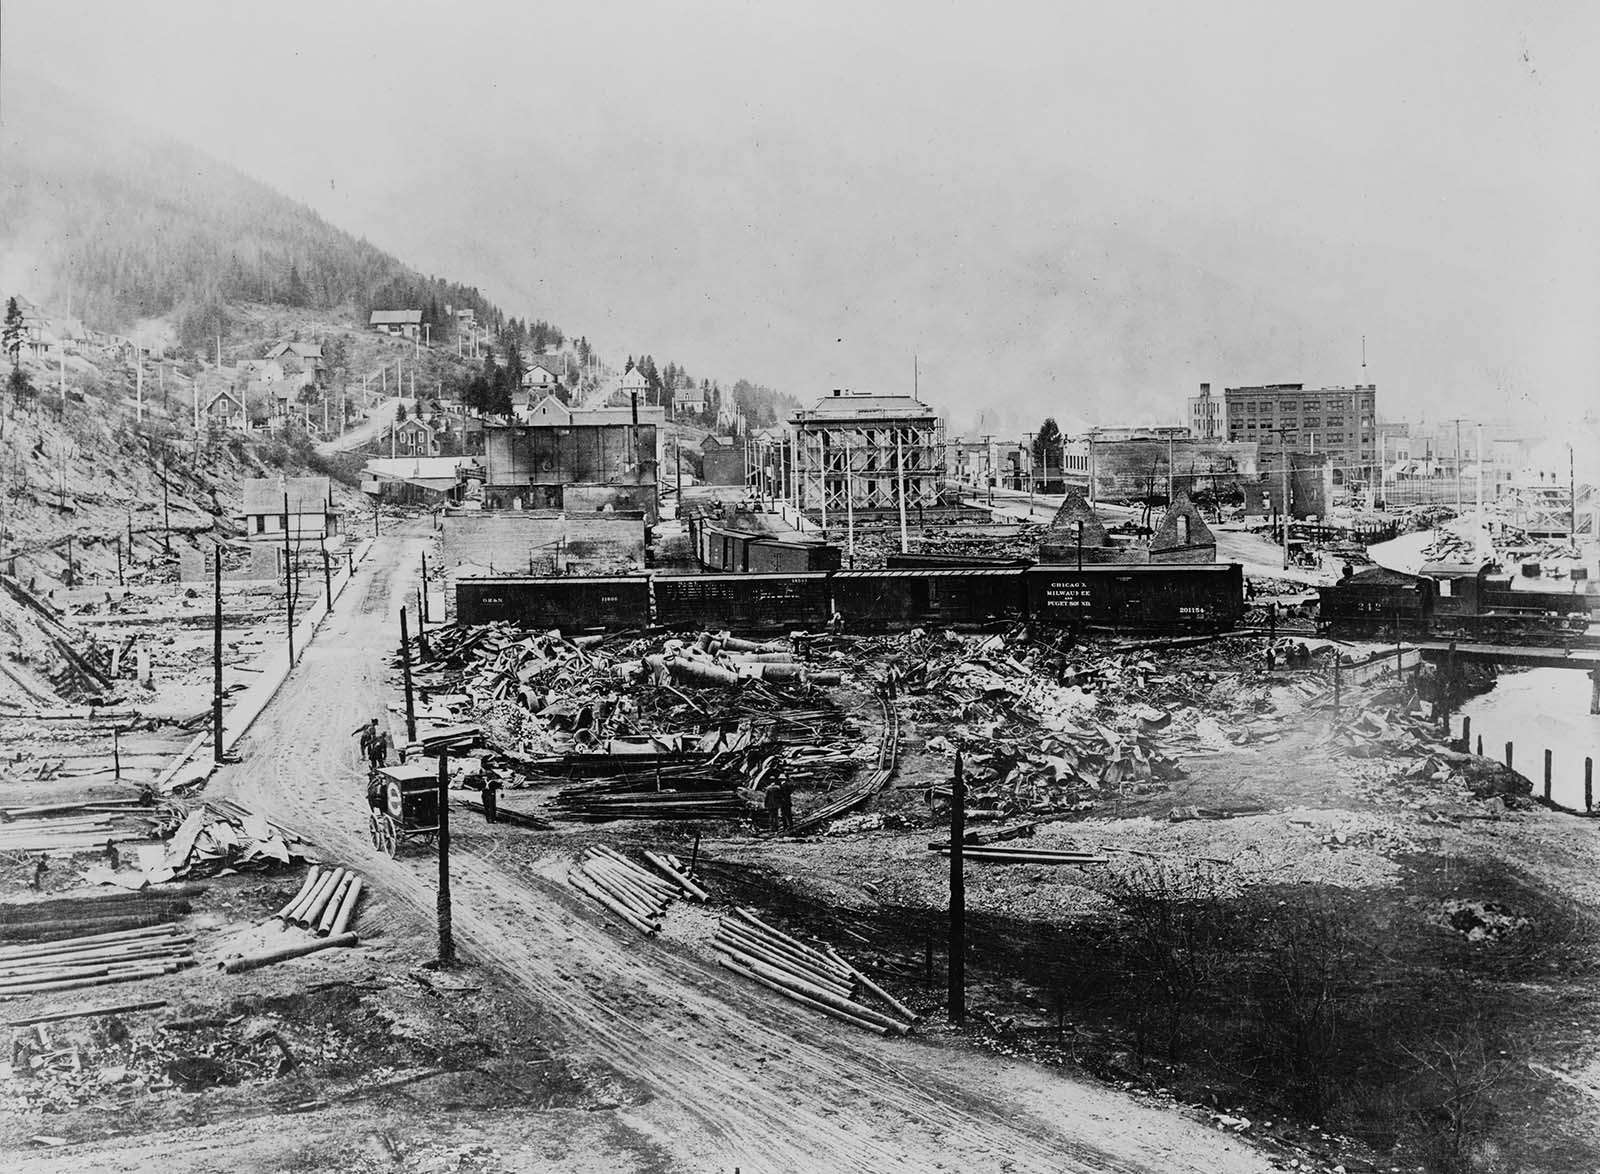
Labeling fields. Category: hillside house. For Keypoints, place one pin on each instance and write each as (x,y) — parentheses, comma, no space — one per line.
(544,371)
(299,358)
(307,502)
(414,437)
(262,370)
(404,323)
(225,410)
(691,398)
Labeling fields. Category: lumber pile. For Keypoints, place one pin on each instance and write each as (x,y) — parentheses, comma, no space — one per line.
(69,917)
(596,804)
(219,834)
(93,960)
(69,834)
(815,978)
(637,894)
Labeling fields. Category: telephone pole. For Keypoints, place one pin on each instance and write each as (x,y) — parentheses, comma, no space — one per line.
(958,898)
(1283,458)
(216,661)
(288,577)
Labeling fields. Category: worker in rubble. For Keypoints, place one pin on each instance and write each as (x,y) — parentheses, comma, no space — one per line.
(772,801)
(785,791)
(491,799)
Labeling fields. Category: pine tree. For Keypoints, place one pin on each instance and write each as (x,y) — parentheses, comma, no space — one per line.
(11,338)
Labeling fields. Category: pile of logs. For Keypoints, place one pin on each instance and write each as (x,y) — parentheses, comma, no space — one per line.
(74,917)
(93,960)
(326,902)
(819,979)
(325,905)
(599,803)
(636,894)
(69,834)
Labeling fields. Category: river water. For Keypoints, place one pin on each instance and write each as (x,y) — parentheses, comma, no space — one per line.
(1539,710)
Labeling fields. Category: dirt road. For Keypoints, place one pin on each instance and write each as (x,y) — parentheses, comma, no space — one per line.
(738,1078)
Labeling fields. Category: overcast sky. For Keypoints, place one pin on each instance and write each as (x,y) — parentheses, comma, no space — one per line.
(1079,209)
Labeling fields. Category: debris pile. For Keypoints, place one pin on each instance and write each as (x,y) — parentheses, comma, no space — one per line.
(637,895)
(217,835)
(815,978)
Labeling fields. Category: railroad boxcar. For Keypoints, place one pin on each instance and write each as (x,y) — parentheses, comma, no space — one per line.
(744,602)
(570,604)
(1201,597)
(913,596)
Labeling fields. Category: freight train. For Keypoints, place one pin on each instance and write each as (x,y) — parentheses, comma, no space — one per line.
(1155,597)
(1454,603)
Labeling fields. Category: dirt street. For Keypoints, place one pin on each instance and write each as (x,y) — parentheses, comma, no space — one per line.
(737,1078)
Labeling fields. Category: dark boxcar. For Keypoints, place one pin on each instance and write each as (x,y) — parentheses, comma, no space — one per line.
(565,603)
(743,602)
(909,597)
(1154,597)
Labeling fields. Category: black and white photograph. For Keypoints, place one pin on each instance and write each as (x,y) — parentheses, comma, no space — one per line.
(720,587)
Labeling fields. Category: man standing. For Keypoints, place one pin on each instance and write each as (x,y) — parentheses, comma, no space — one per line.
(785,791)
(367,732)
(378,746)
(491,799)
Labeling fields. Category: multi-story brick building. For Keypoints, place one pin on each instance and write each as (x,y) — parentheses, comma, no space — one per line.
(1208,415)
(1290,417)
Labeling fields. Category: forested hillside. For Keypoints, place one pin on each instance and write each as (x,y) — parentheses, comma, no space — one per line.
(130,227)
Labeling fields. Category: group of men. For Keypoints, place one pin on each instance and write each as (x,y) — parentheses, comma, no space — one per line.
(375,743)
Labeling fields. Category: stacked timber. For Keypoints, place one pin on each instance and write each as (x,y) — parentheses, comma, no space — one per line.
(638,799)
(326,902)
(70,833)
(70,917)
(636,894)
(93,960)
(819,979)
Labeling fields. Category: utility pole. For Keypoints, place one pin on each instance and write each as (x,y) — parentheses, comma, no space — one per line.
(1283,456)
(405,665)
(425,616)
(327,577)
(422,627)
(166,516)
(900,472)
(958,897)
(288,577)
(1480,474)
(1030,476)
(1572,495)
(138,382)
(216,660)
(849,505)
(447,944)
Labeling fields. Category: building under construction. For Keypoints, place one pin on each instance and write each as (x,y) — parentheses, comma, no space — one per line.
(865,455)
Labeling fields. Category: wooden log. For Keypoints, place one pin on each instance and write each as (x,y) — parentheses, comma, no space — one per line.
(331,909)
(307,915)
(283,954)
(601,872)
(659,894)
(312,875)
(624,896)
(89,1013)
(749,956)
(108,952)
(895,1004)
(79,983)
(678,878)
(299,907)
(813,991)
(639,875)
(853,1020)
(87,941)
(808,960)
(580,882)
(347,909)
